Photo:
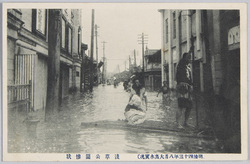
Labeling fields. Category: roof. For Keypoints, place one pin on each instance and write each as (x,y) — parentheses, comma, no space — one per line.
(151,52)
(154,56)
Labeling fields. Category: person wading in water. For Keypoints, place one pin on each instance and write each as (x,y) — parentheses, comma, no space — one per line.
(165,95)
(184,89)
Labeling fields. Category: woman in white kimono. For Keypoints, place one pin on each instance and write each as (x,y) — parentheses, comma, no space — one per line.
(135,111)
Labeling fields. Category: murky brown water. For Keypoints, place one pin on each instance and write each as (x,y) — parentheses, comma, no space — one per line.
(66,135)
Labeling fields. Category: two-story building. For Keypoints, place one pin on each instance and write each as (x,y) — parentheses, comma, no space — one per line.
(215,36)
(177,28)
(212,41)
(152,70)
(27,36)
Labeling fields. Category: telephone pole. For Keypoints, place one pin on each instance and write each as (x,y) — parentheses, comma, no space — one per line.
(134,59)
(54,51)
(96,34)
(193,73)
(92,51)
(104,64)
(118,67)
(125,65)
(129,60)
(142,41)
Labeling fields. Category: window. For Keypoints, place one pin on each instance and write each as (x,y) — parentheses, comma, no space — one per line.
(192,12)
(174,25)
(180,26)
(77,73)
(39,22)
(166,30)
(66,42)
(69,40)
(72,17)
(79,40)
(63,33)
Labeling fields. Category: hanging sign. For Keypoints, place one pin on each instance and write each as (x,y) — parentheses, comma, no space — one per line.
(234,35)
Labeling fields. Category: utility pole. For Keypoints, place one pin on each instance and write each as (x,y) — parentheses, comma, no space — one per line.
(104,64)
(129,60)
(134,59)
(96,53)
(92,52)
(119,68)
(125,65)
(193,73)
(142,40)
(54,51)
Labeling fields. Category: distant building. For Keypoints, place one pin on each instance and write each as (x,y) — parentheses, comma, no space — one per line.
(28,52)
(152,72)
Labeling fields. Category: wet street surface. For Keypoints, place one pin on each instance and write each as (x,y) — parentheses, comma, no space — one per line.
(70,131)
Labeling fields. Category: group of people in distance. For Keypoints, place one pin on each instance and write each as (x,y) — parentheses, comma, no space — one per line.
(135,111)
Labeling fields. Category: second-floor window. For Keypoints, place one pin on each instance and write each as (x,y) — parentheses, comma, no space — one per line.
(166,30)
(69,40)
(63,34)
(66,38)
(79,41)
(174,25)
(39,22)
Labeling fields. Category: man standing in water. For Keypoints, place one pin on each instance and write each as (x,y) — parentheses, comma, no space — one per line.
(184,88)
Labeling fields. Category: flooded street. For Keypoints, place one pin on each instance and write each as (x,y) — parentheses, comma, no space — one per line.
(65,134)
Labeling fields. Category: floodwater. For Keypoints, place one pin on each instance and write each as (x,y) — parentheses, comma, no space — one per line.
(65,134)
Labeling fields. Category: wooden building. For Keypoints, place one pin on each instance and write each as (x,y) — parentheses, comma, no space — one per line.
(27,36)
(152,70)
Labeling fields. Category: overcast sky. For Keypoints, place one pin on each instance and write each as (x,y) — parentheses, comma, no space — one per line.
(120,27)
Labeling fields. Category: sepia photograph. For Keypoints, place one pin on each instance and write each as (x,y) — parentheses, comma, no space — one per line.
(124,82)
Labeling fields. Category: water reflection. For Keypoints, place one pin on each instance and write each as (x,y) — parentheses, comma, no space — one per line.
(64,134)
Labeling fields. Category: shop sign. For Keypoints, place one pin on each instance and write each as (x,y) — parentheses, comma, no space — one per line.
(234,35)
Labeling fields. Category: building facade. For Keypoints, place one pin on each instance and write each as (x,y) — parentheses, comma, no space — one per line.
(152,70)
(177,28)
(28,52)
(215,36)
(213,43)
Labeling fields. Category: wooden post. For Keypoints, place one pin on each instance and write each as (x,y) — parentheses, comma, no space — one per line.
(170,55)
(104,64)
(97,69)
(82,69)
(193,60)
(163,74)
(143,69)
(129,60)
(54,45)
(134,59)
(92,52)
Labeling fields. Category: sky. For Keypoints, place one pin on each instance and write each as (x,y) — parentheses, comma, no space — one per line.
(120,27)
